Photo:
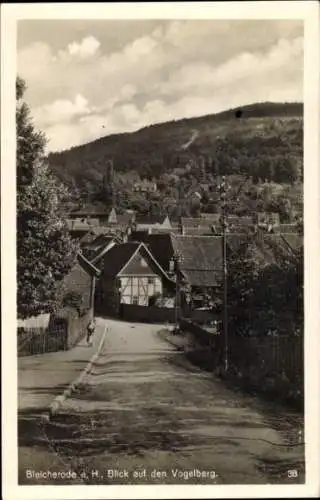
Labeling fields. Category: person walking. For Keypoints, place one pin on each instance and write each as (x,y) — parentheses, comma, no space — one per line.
(90,330)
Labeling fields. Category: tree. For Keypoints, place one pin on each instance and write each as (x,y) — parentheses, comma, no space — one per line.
(30,143)
(45,252)
(243,271)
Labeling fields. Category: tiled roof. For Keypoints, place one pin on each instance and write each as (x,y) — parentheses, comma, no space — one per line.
(78,225)
(93,250)
(88,266)
(161,248)
(165,230)
(201,258)
(203,230)
(206,221)
(79,279)
(142,234)
(79,235)
(124,219)
(116,258)
(193,221)
(97,231)
(139,235)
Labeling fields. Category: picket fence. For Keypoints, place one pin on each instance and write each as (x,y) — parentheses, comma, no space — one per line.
(41,340)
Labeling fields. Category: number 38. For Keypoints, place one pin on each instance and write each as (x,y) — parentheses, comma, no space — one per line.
(293,473)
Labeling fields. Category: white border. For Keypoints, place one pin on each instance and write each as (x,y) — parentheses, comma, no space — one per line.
(309,12)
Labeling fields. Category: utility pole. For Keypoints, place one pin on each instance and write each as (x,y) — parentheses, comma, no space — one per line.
(223,189)
(177,259)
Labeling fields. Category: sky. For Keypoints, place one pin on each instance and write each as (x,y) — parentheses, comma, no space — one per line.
(88,79)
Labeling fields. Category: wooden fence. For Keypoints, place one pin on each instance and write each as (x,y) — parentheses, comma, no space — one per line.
(64,331)
(151,314)
(40,340)
(262,356)
(279,355)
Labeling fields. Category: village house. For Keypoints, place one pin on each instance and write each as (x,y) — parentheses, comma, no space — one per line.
(200,265)
(87,212)
(150,222)
(78,227)
(145,186)
(198,226)
(87,228)
(81,280)
(130,275)
(63,328)
(211,224)
(125,219)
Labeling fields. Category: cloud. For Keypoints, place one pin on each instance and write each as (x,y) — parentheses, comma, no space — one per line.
(179,69)
(86,48)
(199,77)
(61,110)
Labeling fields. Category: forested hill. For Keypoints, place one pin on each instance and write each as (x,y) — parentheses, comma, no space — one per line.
(261,141)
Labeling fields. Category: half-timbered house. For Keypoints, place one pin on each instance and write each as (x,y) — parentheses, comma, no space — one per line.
(131,275)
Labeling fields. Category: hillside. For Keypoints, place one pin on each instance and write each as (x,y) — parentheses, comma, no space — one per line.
(263,142)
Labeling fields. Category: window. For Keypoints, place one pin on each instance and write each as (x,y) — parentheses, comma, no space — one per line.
(143,263)
(151,281)
(135,300)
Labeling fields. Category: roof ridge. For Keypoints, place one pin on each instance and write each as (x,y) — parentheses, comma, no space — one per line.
(88,263)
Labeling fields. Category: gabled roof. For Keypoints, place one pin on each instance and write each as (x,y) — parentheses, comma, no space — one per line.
(201,258)
(91,234)
(87,266)
(119,255)
(161,248)
(98,241)
(95,250)
(79,235)
(87,238)
(76,278)
(125,219)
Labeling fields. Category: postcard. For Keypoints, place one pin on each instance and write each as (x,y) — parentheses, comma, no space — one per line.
(160,195)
